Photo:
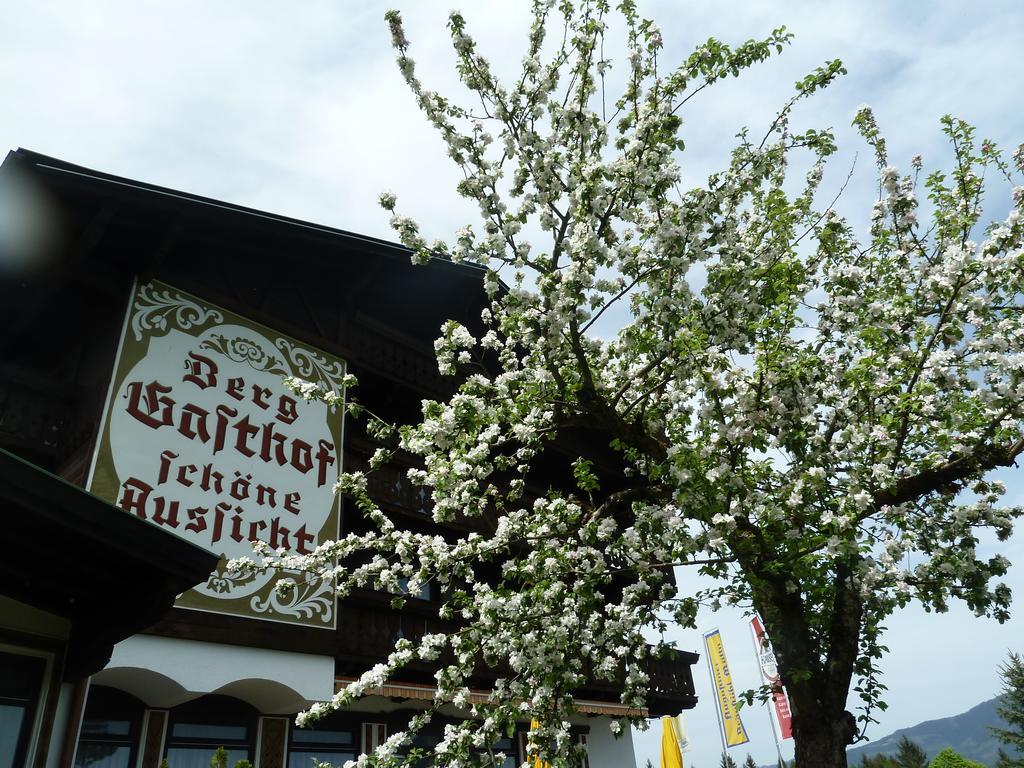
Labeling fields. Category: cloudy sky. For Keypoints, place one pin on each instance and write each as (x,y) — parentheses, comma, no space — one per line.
(297,108)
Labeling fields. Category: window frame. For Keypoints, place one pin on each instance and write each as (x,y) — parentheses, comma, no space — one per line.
(511,752)
(353,727)
(581,738)
(114,704)
(426,594)
(28,740)
(372,735)
(213,710)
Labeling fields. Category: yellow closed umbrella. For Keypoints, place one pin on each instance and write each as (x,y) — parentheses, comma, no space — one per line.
(671,756)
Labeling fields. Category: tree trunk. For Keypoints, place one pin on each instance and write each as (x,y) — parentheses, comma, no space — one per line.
(818,684)
(822,727)
(823,745)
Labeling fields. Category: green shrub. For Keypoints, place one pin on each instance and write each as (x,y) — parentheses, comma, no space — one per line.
(947,758)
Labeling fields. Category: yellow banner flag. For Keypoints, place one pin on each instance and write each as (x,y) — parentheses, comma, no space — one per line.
(735,734)
(534,760)
(671,754)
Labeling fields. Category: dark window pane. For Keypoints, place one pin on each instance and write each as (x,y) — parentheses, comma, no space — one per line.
(424,592)
(95,727)
(199,757)
(205,731)
(12,717)
(303,736)
(109,732)
(425,739)
(304,759)
(21,682)
(103,756)
(20,676)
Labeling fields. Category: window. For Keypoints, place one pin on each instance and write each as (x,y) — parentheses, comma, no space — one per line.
(374,735)
(21,683)
(323,745)
(585,762)
(425,740)
(581,739)
(503,746)
(109,735)
(425,592)
(199,727)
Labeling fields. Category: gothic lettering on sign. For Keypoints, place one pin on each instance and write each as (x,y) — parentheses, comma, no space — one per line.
(150,405)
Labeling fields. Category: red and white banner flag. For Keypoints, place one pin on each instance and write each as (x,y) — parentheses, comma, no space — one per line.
(770,673)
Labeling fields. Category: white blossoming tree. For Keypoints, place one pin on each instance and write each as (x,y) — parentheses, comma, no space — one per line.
(820,407)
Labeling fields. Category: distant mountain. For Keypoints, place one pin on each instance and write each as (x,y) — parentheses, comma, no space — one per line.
(967,733)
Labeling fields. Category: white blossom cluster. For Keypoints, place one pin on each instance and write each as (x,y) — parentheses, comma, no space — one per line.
(824,408)
(309,390)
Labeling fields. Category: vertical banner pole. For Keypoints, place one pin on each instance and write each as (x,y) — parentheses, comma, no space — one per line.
(714,691)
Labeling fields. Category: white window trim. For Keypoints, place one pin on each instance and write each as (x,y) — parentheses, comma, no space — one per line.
(370,730)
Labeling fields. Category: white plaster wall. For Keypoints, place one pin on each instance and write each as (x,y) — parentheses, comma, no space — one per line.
(165,671)
(604,750)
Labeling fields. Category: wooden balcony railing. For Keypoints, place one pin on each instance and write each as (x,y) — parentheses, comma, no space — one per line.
(34,417)
(366,634)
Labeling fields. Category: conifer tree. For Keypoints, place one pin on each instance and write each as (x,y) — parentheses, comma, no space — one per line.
(910,755)
(877,761)
(1011,710)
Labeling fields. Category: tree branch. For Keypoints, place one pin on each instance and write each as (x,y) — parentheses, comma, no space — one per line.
(952,472)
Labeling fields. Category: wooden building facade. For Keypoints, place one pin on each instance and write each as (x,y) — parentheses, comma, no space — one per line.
(144,336)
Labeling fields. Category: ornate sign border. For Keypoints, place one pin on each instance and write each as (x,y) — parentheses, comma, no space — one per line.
(154,310)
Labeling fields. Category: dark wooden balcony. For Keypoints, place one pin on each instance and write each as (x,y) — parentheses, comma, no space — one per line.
(35,415)
(367,633)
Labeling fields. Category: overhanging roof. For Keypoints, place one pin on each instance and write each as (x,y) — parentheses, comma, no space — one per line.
(72,554)
(197,203)
(99,230)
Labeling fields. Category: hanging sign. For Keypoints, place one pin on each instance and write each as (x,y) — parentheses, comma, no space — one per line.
(201,438)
